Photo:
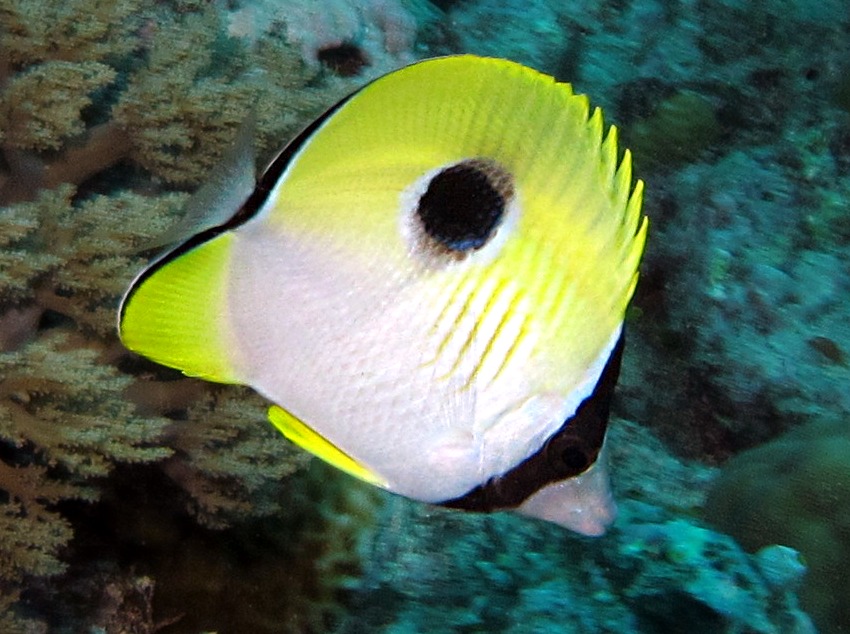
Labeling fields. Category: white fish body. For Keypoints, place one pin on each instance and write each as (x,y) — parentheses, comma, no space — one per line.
(430,285)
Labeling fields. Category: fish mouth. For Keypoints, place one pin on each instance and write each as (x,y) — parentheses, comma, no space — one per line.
(583,504)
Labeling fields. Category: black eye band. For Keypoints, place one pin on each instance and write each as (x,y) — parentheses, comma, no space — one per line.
(570,451)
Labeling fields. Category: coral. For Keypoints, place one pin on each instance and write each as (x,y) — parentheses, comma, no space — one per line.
(57,403)
(105,105)
(39,30)
(677,130)
(59,400)
(433,570)
(60,91)
(742,332)
(21,266)
(380,32)
(743,291)
(182,109)
(226,457)
(75,259)
(32,533)
(528,32)
(711,570)
(795,491)
(58,436)
(64,421)
(53,64)
(160,88)
(632,448)
(291,572)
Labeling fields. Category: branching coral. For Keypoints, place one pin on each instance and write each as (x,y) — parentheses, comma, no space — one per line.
(85,87)
(39,30)
(21,265)
(32,532)
(58,401)
(226,457)
(183,108)
(61,91)
(160,89)
(62,423)
(61,429)
(76,259)
(54,61)
(63,64)
(64,419)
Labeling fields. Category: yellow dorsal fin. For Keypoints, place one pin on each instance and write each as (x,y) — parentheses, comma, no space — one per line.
(319,446)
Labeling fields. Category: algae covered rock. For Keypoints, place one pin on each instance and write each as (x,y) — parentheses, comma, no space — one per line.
(795,491)
(679,128)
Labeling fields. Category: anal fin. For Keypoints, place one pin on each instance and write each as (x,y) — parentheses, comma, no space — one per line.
(310,440)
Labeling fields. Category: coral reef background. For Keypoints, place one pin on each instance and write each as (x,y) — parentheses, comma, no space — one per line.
(135,500)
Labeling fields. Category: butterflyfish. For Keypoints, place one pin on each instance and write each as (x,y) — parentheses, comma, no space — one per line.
(429,283)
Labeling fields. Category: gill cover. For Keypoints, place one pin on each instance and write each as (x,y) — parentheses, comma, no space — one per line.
(430,282)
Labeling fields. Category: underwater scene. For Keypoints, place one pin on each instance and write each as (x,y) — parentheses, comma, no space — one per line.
(445,247)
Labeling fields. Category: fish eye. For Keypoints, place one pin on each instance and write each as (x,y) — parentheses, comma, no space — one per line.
(568,456)
(574,459)
(464,204)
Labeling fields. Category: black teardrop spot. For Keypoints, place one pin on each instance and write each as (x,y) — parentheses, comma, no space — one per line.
(464,204)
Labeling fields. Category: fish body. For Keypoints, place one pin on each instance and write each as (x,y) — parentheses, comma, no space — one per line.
(429,283)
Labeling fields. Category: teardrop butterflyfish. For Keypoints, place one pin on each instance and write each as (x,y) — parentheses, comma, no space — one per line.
(429,283)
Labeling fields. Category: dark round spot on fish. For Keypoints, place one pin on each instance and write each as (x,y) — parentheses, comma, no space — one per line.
(568,456)
(465,203)
(345,60)
(575,459)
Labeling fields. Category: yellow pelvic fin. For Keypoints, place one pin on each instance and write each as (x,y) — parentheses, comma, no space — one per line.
(319,446)
(175,312)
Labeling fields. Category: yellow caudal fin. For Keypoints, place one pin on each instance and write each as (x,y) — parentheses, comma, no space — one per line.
(310,440)
(175,312)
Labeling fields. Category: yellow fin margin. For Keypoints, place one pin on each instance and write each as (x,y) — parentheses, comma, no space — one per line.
(310,440)
(175,313)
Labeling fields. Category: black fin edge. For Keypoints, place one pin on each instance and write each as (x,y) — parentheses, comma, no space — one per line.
(254,202)
(581,436)
(252,205)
